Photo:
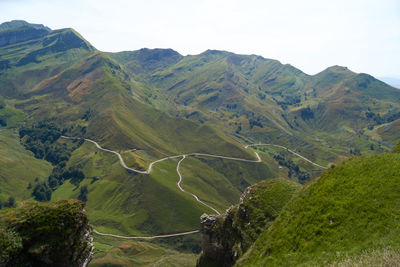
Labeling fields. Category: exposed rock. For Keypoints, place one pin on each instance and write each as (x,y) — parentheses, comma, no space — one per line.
(46,234)
(21,23)
(227,237)
(218,239)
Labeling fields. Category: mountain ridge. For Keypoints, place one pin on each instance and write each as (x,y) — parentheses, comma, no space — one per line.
(153,103)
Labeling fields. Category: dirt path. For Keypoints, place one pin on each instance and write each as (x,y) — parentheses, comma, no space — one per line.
(183,156)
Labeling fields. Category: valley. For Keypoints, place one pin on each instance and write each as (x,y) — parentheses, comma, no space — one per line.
(150,139)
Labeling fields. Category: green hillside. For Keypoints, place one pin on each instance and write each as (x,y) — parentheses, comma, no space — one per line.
(228,236)
(58,77)
(133,253)
(45,234)
(262,99)
(18,168)
(153,103)
(396,149)
(351,209)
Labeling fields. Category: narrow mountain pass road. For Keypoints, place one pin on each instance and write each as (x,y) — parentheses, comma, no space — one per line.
(184,191)
(183,156)
(147,237)
(291,151)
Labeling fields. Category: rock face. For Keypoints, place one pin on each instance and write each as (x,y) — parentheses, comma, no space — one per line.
(19,31)
(45,234)
(218,240)
(228,236)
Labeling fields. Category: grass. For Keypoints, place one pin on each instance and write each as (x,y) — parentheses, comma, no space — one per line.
(351,208)
(396,149)
(44,233)
(380,257)
(18,167)
(220,182)
(237,81)
(236,230)
(111,252)
(134,204)
(263,203)
(172,105)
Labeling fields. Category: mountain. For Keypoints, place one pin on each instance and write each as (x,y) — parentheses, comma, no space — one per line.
(228,236)
(150,104)
(15,24)
(45,234)
(57,82)
(266,101)
(348,213)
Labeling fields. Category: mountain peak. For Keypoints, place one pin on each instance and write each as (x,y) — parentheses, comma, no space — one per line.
(214,52)
(337,69)
(21,23)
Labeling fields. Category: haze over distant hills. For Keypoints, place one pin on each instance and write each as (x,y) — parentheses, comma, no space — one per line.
(153,103)
(393,81)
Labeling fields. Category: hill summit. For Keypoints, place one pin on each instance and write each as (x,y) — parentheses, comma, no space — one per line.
(352,209)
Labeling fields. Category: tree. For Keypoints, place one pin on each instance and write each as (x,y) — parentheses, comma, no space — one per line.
(83,193)
(42,192)
(11,202)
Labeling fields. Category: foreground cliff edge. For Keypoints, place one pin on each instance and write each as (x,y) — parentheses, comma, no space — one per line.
(350,215)
(45,234)
(228,236)
(347,217)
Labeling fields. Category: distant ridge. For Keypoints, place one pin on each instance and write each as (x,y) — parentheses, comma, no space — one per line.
(21,23)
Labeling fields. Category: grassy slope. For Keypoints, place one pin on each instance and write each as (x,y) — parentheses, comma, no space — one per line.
(378,257)
(134,253)
(228,90)
(397,148)
(129,203)
(351,208)
(18,167)
(237,229)
(44,234)
(94,81)
(263,203)
(221,182)
(119,118)
(32,61)
(120,202)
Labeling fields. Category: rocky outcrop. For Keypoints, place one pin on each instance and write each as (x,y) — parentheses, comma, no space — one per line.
(219,239)
(21,34)
(46,234)
(228,236)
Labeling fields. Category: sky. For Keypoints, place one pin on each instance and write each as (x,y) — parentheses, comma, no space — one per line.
(363,35)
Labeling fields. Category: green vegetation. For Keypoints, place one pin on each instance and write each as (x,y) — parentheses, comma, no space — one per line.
(149,104)
(41,192)
(260,206)
(294,169)
(9,116)
(397,148)
(350,209)
(42,139)
(18,168)
(379,257)
(237,94)
(115,252)
(236,230)
(44,234)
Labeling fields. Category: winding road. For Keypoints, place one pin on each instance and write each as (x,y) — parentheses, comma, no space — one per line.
(291,151)
(147,237)
(182,156)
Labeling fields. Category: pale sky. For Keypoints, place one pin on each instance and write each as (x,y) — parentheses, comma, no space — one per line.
(363,35)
